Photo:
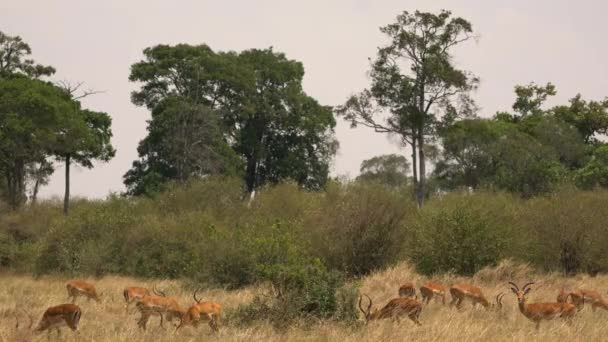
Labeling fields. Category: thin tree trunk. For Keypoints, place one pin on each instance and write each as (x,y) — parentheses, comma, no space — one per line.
(422,167)
(66,198)
(414,166)
(250,174)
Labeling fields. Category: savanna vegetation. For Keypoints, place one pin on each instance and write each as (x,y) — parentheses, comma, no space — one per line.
(526,187)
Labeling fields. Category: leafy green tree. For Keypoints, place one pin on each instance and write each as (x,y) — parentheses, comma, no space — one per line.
(390,169)
(413,78)
(531,97)
(183,140)
(595,173)
(589,117)
(13,54)
(262,113)
(32,116)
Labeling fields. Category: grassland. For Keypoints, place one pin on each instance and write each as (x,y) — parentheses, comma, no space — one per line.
(107,321)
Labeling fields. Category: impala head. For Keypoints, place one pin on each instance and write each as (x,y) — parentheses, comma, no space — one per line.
(367,312)
(521,294)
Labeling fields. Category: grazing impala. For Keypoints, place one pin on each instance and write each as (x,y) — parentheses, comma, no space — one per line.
(78,288)
(57,316)
(201,311)
(158,305)
(580,297)
(407,290)
(430,290)
(134,294)
(537,312)
(395,308)
(462,291)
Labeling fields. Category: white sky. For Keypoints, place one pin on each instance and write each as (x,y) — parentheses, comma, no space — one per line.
(96,42)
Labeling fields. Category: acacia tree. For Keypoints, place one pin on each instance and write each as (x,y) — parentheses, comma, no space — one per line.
(273,128)
(414,80)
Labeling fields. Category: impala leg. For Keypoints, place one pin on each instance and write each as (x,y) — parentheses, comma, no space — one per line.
(593,307)
(537,325)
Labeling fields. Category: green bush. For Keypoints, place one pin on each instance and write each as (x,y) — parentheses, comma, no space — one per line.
(458,240)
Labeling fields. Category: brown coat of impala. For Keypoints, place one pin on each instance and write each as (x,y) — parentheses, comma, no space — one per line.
(134,294)
(430,290)
(77,288)
(395,309)
(582,296)
(536,312)
(201,311)
(407,290)
(56,317)
(158,305)
(462,291)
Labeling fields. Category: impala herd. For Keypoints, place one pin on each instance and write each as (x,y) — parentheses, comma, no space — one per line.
(156,302)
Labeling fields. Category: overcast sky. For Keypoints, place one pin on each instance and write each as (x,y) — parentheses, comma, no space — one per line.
(96,42)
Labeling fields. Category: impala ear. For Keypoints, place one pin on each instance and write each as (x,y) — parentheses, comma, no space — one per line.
(526,291)
(514,290)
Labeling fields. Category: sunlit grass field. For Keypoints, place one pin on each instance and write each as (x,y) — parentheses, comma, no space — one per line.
(108,321)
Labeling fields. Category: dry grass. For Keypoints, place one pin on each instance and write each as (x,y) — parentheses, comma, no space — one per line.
(109,322)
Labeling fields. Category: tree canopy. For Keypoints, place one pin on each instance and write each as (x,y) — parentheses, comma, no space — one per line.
(252,118)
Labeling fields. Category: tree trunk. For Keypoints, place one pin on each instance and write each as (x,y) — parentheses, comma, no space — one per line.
(66,198)
(414,166)
(422,170)
(250,174)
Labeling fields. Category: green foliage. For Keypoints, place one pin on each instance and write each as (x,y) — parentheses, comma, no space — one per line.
(458,240)
(414,79)
(391,170)
(589,117)
(249,107)
(13,59)
(595,173)
(531,97)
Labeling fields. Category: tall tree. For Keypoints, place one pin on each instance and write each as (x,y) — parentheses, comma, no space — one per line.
(33,115)
(413,79)
(85,137)
(389,169)
(262,114)
(589,117)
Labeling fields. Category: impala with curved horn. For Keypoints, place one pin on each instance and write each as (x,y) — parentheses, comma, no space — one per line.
(56,317)
(462,291)
(430,290)
(536,312)
(395,309)
(158,304)
(134,294)
(202,311)
(77,288)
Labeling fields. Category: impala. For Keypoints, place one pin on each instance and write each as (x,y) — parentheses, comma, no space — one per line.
(57,316)
(407,290)
(159,305)
(134,294)
(537,312)
(395,308)
(78,288)
(580,297)
(562,296)
(430,290)
(201,311)
(462,291)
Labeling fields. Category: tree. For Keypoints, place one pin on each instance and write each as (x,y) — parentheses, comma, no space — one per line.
(32,116)
(531,97)
(13,50)
(413,79)
(589,117)
(390,169)
(595,173)
(262,114)
(85,137)
(184,140)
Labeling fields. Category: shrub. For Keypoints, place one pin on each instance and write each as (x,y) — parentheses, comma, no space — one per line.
(457,240)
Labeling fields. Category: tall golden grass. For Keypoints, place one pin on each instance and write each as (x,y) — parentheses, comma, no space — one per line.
(107,321)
